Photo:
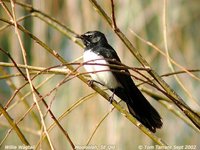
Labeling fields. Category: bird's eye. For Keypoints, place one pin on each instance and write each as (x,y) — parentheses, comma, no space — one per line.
(89,35)
(95,39)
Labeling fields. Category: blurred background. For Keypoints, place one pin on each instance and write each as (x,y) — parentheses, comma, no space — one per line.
(145,18)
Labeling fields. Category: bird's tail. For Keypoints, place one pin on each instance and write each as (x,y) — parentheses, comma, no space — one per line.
(140,108)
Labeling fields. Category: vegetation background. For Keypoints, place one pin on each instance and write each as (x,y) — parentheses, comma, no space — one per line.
(143,17)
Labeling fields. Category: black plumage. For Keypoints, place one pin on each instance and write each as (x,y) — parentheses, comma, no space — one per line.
(98,47)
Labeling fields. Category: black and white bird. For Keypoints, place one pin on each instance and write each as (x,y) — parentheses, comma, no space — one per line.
(98,55)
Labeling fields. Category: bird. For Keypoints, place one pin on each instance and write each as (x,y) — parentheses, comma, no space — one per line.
(100,62)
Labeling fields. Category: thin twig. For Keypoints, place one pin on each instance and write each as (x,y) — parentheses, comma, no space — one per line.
(194,117)
(168,104)
(98,125)
(168,55)
(114,25)
(5,137)
(18,20)
(105,95)
(14,125)
(27,73)
(69,110)
(162,53)
(63,71)
(52,115)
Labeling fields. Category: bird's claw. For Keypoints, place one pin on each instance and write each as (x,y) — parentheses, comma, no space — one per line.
(90,83)
(110,99)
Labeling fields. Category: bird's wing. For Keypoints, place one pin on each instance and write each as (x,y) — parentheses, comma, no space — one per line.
(136,102)
(121,74)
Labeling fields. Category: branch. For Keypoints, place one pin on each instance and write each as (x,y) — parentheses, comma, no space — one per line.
(44,102)
(193,116)
(114,25)
(97,89)
(14,125)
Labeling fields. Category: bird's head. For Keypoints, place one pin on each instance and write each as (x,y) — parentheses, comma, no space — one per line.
(92,38)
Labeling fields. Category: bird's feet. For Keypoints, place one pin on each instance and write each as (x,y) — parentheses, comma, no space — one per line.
(111,98)
(91,82)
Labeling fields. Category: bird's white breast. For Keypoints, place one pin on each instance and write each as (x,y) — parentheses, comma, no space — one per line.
(99,72)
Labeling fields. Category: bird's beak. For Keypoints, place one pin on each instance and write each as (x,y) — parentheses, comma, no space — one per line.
(79,36)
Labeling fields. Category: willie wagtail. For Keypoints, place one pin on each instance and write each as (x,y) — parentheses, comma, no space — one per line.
(98,55)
